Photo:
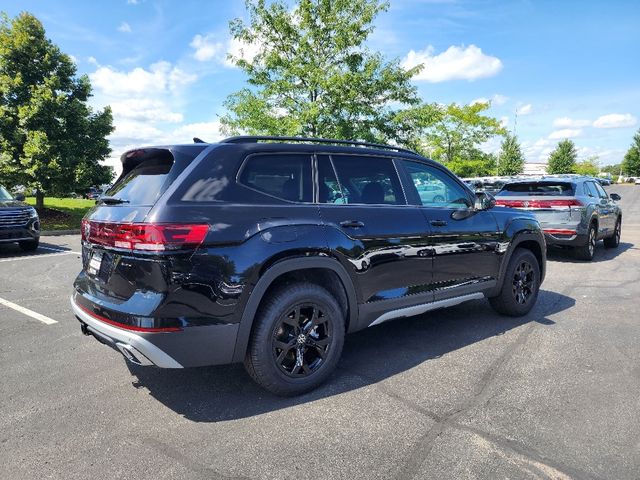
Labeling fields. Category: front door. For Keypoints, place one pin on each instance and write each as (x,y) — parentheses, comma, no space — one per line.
(464,241)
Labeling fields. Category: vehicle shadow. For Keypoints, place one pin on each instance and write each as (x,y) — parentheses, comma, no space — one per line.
(602,254)
(221,393)
(13,250)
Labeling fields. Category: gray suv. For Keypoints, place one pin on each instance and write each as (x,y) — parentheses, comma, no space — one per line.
(574,211)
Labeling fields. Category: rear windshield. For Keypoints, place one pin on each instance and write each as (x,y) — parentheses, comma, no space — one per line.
(550,189)
(144,181)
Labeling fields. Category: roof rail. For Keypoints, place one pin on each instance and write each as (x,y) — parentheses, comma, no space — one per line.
(267,138)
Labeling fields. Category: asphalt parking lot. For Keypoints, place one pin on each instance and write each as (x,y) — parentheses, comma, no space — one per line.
(458,393)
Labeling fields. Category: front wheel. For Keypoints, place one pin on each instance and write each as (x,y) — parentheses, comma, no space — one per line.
(29,245)
(297,339)
(614,240)
(520,286)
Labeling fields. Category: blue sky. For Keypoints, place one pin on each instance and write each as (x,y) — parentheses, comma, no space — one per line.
(567,68)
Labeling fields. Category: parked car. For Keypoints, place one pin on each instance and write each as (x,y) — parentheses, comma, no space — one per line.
(605,182)
(19,222)
(574,211)
(637,181)
(268,250)
(93,193)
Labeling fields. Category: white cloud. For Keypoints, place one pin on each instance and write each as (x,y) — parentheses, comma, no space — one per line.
(145,109)
(206,47)
(133,2)
(239,49)
(537,151)
(456,63)
(525,109)
(615,120)
(566,133)
(497,100)
(124,27)
(92,61)
(504,122)
(566,122)
(161,77)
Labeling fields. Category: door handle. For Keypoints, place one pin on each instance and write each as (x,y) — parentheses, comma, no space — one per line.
(438,223)
(352,224)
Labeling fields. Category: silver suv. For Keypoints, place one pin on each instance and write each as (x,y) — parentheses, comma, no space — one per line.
(574,211)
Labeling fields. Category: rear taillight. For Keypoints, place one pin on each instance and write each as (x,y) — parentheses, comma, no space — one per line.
(144,236)
(539,203)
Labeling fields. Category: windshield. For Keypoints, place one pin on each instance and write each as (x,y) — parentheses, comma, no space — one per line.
(554,189)
(4,195)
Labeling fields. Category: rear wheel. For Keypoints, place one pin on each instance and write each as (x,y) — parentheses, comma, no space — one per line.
(587,251)
(29,245)
(297,340)
(520,287)
(614,240)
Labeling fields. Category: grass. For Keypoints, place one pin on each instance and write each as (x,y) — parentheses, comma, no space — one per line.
(62,213)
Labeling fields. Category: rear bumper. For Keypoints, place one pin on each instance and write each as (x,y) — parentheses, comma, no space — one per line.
(574,240)
(130,344)
(189,347)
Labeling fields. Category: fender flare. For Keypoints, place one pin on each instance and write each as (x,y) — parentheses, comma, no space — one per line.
(521,236)
(276,270)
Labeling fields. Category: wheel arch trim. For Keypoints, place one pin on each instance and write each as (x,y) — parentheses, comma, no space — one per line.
(271,275)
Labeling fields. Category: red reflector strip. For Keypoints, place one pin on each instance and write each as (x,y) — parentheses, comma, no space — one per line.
(539,203)
(124,326)
(559,231)
(144,236)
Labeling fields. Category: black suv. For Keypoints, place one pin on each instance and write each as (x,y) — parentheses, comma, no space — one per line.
(19,222)
(268,250)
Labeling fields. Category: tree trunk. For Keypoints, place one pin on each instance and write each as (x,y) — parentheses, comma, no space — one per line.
(39,199)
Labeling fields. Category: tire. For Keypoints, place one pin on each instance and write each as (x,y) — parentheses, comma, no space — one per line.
(587,251)
(614,240)
(297,339)
(29,245)
(520,286)
(438,199)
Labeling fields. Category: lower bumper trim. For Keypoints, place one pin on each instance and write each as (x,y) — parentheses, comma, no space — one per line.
(137,346)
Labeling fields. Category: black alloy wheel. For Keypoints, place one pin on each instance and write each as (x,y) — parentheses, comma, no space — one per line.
(523,279)
(296,340)
(519,290)
(301,340)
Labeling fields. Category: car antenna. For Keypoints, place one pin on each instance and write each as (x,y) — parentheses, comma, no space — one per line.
(198,140)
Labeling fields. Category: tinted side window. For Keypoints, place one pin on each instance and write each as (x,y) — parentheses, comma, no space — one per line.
(367,180)
(435,188)
(589,189)
(601,191)
(284,176)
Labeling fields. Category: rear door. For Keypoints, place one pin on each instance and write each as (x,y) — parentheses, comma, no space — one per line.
(463,240)
(382,240)
(606,210)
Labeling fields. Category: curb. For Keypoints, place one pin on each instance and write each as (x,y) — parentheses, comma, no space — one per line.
(56,233)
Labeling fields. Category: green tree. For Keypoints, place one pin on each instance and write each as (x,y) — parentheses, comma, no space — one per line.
(631,162)
(314,76)
(50,138)
(510,158)
(448,133)
(612,169)
(476,163)
(588,167)
(563,158)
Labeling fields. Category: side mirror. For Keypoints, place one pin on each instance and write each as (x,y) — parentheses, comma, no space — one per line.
(615,196)
(484,201)
(20,197)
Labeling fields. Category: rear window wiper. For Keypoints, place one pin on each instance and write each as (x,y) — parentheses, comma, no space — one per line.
(112,200)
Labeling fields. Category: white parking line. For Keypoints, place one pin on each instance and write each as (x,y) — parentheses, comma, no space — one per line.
(59,250)
(26,311)
(27,257)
